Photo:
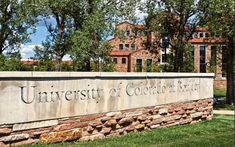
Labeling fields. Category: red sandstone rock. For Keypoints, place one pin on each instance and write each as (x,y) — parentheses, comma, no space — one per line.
(139,126)
(92,137)
(142,118)
(14,137)
(3,144)
(96,123)
(163,111)
(5,131)
(104,119)
(127,120)
(110,123)
(70,126)
(181,112)
(68,135)
(90,117)
(105,130)
(24,142)
(196,115)
(90,129)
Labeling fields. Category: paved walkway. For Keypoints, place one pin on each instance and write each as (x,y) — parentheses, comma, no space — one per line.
(228,112)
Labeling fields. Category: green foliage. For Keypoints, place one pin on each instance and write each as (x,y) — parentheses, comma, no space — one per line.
(10,62)
(171,18)
(16,24)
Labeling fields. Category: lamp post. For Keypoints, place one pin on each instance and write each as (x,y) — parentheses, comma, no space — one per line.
(165,45)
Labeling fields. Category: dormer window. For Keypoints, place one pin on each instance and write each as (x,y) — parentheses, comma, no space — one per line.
(127,33)
(132,46)
(201,35)
(120,46)
(126,46)
(195,35)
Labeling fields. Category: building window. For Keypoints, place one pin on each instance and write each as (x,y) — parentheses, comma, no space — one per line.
(164,57)
(202,58)
(115,60)
(126,46)
(195,35)
(132,46)
(201,35)
(123,60)
(206,35)
(224,63)
(139,65)
(127,33)
(120,46)
(149,65)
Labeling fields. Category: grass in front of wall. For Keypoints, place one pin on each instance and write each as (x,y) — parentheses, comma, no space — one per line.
(218,132)
(221,95)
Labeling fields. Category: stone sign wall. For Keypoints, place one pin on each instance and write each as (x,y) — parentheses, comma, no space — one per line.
(32,100)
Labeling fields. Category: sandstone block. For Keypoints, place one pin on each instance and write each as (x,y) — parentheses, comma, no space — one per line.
(96,123)
(3,144)
(110,123)
(53,137)
(163,111)
(33,125)
(70,126)
(181,112)
(90,129)
(105,130)
(130,128)
(111,114)
(24,142)
(139,126)
(14,137)
(134,113)
(127,120)
(154,117)
(92,137)
(154,126)
(104,119)
(196,115)
(90,117)
(5,131)
(142,118)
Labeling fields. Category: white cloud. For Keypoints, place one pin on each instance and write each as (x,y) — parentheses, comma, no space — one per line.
(26,51)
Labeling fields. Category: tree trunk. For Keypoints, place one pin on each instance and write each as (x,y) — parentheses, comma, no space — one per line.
(230,75)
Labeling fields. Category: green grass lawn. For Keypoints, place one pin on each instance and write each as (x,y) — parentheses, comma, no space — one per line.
(218,132)
(221,95)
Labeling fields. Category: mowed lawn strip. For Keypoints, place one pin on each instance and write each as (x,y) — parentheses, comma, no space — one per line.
(217,132)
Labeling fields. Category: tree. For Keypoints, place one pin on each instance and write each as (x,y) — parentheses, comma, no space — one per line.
(219,18)
(80,27)
(95,25)
(10,61)
(15,21)
(176,19)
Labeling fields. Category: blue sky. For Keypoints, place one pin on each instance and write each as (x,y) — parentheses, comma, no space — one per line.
(40,35)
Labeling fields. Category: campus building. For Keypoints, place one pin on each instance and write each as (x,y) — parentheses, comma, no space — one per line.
(130,54)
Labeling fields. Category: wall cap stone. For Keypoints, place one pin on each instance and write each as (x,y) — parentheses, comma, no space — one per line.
(23,74)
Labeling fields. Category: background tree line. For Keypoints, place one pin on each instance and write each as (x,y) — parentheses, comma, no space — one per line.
(80,28)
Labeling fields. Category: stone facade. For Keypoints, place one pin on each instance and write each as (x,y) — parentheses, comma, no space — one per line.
(98,126)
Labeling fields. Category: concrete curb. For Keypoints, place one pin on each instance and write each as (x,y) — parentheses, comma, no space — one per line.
(226,112)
